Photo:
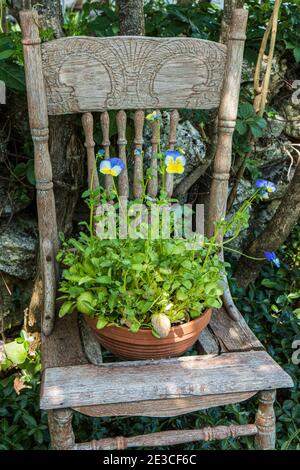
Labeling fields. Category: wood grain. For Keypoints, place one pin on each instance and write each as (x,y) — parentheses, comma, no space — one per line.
(233,335)
(39,126)
(169,437)
(84,74)
(121,119)
(88,127)
(227,118)
(164,408)
(153,182)
(64,387)
(104,122)
(138,159)
(63,347)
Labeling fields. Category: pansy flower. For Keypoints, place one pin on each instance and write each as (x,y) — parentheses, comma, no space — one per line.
(112,166)
(272,257)
(154,116)
(266,186)
(174,161)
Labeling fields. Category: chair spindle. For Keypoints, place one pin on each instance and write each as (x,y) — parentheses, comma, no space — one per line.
(104,120)
(121,119)
(88,127)
(139,117)
(174,118)
(153,183)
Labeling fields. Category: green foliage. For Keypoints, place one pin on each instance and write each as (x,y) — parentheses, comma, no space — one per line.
(11,62)
(22,425)
(127,281)
(21,420)
(248,121)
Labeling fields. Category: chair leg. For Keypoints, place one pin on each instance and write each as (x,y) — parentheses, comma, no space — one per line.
(60,428)
(265,421)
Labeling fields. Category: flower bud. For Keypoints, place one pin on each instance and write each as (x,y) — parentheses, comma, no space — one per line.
(161,324)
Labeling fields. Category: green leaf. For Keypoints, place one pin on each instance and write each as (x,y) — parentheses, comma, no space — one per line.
(101,322)
(30,172)
(268,283)
(15,352)
(296,52)
(6,54)
(256,130)
(13,76)
(67,307)
(246,111)
(241,127)
(103,280)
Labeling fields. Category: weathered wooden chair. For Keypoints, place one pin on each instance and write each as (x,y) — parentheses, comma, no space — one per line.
(84,74)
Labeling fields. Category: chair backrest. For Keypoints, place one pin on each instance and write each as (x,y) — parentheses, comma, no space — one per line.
(86,74)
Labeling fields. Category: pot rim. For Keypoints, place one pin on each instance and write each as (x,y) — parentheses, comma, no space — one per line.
(206,312)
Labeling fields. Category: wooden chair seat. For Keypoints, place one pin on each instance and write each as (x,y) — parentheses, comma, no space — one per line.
(234,374)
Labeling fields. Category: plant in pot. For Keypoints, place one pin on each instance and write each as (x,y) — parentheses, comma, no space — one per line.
(144,296)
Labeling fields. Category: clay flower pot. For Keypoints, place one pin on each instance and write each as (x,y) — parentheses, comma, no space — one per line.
(143,345)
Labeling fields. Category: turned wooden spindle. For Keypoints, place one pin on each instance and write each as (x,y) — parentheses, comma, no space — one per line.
(39,125)
(169,179)
(153,183)
(61,431)
(88,127)
(265,421)
(227,118)
(139,117)
(104,120)
(121,119)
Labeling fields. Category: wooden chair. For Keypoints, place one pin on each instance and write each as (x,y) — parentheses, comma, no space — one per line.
(85,74)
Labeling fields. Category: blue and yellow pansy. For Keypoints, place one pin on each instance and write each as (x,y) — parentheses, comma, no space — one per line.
(112,166)
(266,186)
(174,161)
(154,116)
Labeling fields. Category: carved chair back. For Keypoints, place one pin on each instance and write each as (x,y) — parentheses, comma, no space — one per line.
(86,74)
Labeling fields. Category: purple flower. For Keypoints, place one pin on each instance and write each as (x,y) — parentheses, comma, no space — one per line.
(272,257)
(267,187)
(100,153)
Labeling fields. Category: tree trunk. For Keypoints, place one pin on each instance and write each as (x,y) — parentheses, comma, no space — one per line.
(131,17)
(276,232)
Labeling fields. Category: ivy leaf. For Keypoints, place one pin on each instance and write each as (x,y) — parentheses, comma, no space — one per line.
(241,127)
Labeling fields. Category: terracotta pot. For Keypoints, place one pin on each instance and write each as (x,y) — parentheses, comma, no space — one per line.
(143,345)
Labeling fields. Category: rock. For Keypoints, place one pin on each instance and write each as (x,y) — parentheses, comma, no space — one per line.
(292,116)
(18,247)
(276,125)
(279,69)
(188,138)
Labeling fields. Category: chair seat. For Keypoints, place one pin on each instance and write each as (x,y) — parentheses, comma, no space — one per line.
(113,383)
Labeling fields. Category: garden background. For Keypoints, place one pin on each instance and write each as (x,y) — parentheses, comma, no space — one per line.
(266,145)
